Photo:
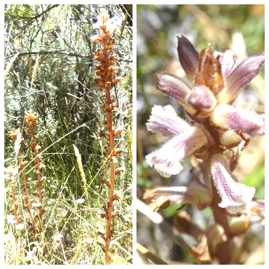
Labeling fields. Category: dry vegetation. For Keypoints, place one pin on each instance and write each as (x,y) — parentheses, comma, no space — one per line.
(55,159)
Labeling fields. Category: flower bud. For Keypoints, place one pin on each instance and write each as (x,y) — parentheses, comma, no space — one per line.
(188,56)
(239,225)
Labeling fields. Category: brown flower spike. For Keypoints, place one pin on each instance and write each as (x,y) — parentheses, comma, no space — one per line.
(105,73)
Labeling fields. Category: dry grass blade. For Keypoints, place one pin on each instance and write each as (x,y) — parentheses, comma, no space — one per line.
(81,170)
(35,69)
(9,66)
(149,255)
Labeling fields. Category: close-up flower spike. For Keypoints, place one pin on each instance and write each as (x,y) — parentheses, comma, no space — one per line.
(215,132)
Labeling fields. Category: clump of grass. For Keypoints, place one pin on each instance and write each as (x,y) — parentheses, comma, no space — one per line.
(70,223)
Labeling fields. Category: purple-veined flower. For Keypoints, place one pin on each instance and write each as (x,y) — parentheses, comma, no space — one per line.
(239,120)
(212,74)
(217,79)
(185,140)
(235,196)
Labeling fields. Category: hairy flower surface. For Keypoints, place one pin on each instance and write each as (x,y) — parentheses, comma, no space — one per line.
(165,121)
(239,120)
(235,196)
(215,124)
(185,140)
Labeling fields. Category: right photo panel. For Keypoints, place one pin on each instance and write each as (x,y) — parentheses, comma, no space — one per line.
(200,134)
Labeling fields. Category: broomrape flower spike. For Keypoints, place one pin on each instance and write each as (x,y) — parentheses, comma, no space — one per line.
(215,125)
(105,79)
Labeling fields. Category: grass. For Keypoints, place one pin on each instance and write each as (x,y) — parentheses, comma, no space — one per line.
(53,75)
(71,222)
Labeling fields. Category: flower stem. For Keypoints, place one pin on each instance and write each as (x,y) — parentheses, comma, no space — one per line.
(224,249)
(106,79)
(112,180)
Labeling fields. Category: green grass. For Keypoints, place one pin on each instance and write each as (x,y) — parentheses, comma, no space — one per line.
(58,86)
(70,222)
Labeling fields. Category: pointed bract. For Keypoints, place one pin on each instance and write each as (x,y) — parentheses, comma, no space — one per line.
(209,72)
(188,56)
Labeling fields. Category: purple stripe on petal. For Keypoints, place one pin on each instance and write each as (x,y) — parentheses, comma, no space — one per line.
(166,160)
(235,196)
(173,87)
(228,62)
(240,77)
(164,120)
(239,120)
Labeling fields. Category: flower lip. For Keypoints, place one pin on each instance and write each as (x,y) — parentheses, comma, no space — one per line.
(235,196)
(166,160)
(239,74)
(164,120)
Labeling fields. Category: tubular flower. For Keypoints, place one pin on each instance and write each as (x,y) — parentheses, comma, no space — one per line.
(211,73)
(235,196)
(239,120)
(166,160)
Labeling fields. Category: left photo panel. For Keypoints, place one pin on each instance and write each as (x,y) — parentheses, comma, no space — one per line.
(68,134)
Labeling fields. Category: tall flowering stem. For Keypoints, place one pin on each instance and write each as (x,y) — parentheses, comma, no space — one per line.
(16,136)
(106,79)
(33,197)
(31,122)
(215,133)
